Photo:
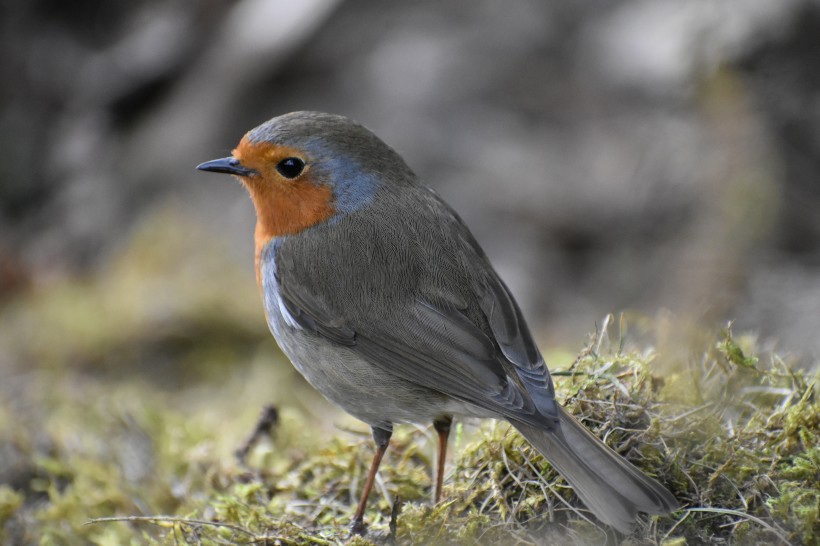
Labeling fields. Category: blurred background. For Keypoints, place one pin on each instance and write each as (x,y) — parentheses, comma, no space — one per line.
(657,156)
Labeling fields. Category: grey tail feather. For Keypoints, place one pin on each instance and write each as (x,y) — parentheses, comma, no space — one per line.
(612,488)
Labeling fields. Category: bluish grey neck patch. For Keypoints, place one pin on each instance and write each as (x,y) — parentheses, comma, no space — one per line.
(354,184)
(353,188)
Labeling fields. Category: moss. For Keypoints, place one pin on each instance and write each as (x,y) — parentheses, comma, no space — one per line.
(10,502)
(744,462)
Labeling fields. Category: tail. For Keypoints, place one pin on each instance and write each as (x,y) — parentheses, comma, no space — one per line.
(608,485)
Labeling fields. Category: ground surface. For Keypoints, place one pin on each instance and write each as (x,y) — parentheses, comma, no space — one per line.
(730,429)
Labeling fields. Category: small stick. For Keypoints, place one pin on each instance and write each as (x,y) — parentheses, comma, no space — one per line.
(267,420)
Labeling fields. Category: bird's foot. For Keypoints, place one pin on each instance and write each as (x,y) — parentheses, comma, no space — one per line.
(357,527)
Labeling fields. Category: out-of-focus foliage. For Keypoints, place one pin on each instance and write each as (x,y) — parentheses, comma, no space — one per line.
(649,154)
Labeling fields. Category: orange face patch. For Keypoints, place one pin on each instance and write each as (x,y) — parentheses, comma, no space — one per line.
(283,206)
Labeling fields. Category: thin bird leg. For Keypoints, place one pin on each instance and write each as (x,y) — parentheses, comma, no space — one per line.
(382,438)
(442,426)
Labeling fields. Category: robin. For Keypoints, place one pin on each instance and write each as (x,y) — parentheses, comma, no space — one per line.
(384,301)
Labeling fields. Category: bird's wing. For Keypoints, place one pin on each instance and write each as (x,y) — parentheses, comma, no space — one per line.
(516,343)
(439,347)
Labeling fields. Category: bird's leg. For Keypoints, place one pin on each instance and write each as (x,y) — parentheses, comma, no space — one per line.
(442,426)
(382,438)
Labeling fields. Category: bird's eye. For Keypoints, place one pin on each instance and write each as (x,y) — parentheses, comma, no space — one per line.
(290,167)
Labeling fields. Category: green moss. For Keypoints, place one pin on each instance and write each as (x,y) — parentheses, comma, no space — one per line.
(10,502)
(744,462)
(732,351)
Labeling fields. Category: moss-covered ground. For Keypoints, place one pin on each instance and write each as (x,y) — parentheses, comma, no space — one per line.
(120,415)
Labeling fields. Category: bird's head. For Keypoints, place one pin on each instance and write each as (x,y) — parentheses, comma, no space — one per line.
(305,168)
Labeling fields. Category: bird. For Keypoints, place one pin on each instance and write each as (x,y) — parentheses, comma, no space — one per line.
(382,298)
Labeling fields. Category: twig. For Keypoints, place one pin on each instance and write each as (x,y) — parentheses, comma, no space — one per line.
(740,514)
(172,519)
(267,420)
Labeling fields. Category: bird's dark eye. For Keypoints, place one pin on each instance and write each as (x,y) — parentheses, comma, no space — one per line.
(290,167)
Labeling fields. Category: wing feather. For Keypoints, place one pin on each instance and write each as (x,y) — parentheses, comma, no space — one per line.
(439,348)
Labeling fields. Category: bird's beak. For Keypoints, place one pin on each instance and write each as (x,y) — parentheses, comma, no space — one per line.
(227,165)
